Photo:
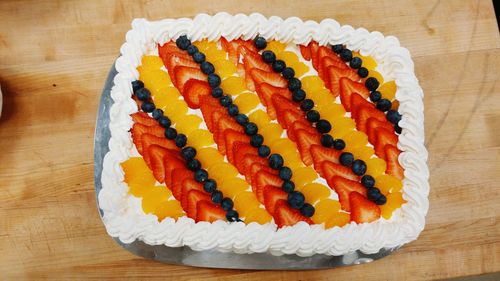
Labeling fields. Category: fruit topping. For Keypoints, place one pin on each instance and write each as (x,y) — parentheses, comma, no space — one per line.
(287,216)
(362,210)
(343,187)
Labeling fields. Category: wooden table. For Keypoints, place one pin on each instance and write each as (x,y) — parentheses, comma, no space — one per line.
(54,58)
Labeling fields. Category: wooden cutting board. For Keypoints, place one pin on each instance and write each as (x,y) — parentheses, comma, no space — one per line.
(54,58)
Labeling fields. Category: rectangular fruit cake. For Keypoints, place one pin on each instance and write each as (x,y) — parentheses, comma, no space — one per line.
(249,134)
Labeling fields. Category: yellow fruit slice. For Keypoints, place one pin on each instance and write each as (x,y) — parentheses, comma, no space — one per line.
(322,98)
(368,62)
(205,44)
(361,152)
(303,176)
(200,138)
(188,123)
(246,102)
(234,85)
(275,46)
(355,139)
(176,110)
(388,183)
(169,209)
(260,118)
(375,166)
(224,68)
(314,192)
(312,84)
(300,68)
(342,126)
(151,62)
(208,157)
(233,186)
(282,146)
(376,74)
(271,132)
(154,197)
(223,171)
(245,202)
(394,202)
(325,209)
(214,54)
(165,96)
(288,57)
(388,90)
(155,80)
(137,176)
(339,219)
(258,215)
(293,160)
(331,112)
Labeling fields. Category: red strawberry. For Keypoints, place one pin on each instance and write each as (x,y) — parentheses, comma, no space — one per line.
(357,102)
(272,78)
(373,124)
(183,73)
(347,87)
(225,122)
(321,154)
(231,48)
(148,140)
(305,51)
(208,211)
(313,46)
(178,176)
(286,110)
(247,44)
(384,137)
(253,60)
(263,179)
(168,48)
(209,105)
(172,163)
(246,163)
(326,62)
(138,130)
(186,186)
(178,59)
(366,112)
(193,197)
(331,169)
(157,154)
(266,91)
(230,137)
(343,187)
(240,151)
(333,76)
(362,209)
(272,195)
(296,125)
(393,166)
(256,167)
(143,118)
(304,141)
(193,90)
(284,215)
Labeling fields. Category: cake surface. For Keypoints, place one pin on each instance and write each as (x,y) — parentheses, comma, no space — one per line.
(361,89)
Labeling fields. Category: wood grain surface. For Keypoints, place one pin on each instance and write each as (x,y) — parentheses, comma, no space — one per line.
(54,58)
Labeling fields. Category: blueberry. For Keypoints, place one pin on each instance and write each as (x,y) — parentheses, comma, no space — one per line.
(307,210)
(294,84)
(183,42)
(275,161)
(296,199)
(384,105)
(165,122)
(251,129)
(368,181)
(285,173)
(381,200)
(355,63)
(136,85)
(393,116)
(288,73)
(338,144)
(242,119)
(188,153)
(217,197)
(232,216)
(260,42)
(323,126)
(346,158)
(201,175)
(157,114)
(359,167)
(362,72)
(279,65)
(373,193)
(233,110)
(213,80)
(143,94)
(345,54)
(327,140)
(312,116)
(210,185)
(288,186)
(148,106)
(225,101)
(256,140)
(372,83)
(337,48)
(199,57)
(180,140)
(217,92)
(207,67)
(193,165)
(264,151)
(170,133)
(306,105)
(397,128)
(227,204)
(192,49)
(375,96)
(298,95)
(268,56)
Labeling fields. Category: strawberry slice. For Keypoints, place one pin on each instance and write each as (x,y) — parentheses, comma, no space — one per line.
(304,141)
(284,215)
(265,93)
(246,163)
(272,78)
(178,176)
(372,126)
(393,166)
(208,211)
(240,151)
(331,169)
(209,105)
(366,112)
(157,165)
(230,137)
(272,195)
(384,137)
(253,60)
(333,75)
(172,163)
(305,51)
(296,125)
(247,44)
(193,90)
(231,48)
(263,179)
(183,73)
(224,122)
(193,198)
(148,140)
(287,111)
(186,186)
(321,154)
(347,88)
(357,102)
(343,187)
(168,48)
(139,129)
(178,59)
(326,62)
(362,209)
(143,118)
(314,47)
(256,167)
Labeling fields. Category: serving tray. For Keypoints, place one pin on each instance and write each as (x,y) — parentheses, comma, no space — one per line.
(212,258)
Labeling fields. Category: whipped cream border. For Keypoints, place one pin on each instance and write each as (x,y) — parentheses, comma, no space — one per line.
(123,216)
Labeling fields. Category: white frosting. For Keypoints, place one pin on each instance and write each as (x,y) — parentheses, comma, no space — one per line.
(124,217)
